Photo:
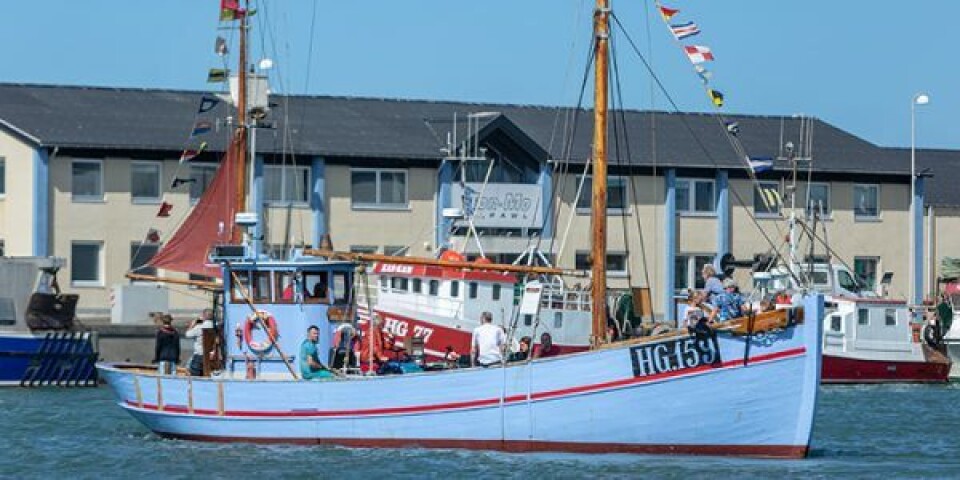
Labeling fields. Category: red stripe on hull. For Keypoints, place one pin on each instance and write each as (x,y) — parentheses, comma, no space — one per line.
(852,370)
(523,446)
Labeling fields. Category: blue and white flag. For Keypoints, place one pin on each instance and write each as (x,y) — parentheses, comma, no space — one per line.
(760,164)
(684,30)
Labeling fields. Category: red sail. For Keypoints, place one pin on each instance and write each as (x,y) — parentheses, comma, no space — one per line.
(210,223)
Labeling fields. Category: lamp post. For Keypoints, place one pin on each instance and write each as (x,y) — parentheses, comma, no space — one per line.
(918,99)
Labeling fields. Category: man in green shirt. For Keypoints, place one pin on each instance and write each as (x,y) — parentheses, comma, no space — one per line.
(310,366)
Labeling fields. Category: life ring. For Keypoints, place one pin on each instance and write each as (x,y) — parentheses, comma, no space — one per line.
(251,323)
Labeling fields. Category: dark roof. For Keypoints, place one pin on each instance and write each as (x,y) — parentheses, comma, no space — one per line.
(142,119)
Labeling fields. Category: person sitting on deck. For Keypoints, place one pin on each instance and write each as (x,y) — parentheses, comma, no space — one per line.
(523,350)
(487,342)
(694,313)
(310,366)
(729,303)
(373,340)
(546,347)
(712,286)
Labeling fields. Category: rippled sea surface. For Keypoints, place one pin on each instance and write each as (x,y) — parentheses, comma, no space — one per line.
(892,431)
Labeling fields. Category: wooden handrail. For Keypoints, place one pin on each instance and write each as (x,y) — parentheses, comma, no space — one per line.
(491,267)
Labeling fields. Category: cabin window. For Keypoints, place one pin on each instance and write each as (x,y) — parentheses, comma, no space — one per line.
(316,287)
(434,287)
(145,182)
(528,320)
(341,287)
(865,268)
(616,195)
(818,199)
(866,202)
(454,289)
(240,286)
(417,285)
(890,317)
(863,316)
(87,180)
(201,175)
(86,263)
(384,284)
(472,291)
(287,289)
(766,199)
(836,323)
(260,288)
(399,284)
(695,196)
(496,291)
(558,320)
(378,188)
(286,184)
(140,256)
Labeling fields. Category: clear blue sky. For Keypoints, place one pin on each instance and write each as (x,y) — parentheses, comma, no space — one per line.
(854,63)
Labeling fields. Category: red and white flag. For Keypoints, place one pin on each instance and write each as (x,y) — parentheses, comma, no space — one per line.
(698,54)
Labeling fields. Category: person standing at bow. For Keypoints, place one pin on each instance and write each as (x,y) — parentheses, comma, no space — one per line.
(204,322)
(166,351)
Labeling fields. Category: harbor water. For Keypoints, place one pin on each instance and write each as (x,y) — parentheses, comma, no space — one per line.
(902,431)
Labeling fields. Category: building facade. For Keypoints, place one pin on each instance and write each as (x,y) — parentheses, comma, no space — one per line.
(84,172)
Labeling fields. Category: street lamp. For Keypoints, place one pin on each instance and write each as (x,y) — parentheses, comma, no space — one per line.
(918,99)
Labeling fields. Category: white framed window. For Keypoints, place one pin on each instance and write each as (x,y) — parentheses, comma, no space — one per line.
(395,250)
(286,184)
(145,181)
(86,263)
(140,256)
(363,249)
(687,268)
(866,201)
(434,287)
(201,174)
(616,263)
(87,180)
(617,198)
(496,291)
(890,317)
(863,316)
(417,285)
(2,248)
(818,200)
(454,289)
(399,284)
(866,268)
(766,199)
(374,188)
(696,196)
(3,177)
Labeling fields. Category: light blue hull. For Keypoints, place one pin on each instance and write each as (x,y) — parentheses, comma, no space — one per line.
(663,397)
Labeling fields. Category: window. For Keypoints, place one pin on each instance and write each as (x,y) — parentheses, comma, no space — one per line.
(260,291)
(87,180)
(286,184)
(865,268)
(434,287)
(399,284)
(417,285)
(687,270)
(140,256)
(866,203)
(3,177)
(454,289)
(818,199)
(395,250)
(863,316)
(86,263)
(496,291)
(890,317)
(378,188)
(201,174)
(384,284)
(472,289)
(616,263)
(340,288)
(528,320)
(2,248)
(616,194)
(847,282)
(363,249)
(836,323)
(316,285)
(145,181)
(695,196)
(766,199)
(558,320)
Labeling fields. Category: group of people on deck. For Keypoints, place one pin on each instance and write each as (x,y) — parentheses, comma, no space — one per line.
(719,301)
(488,345)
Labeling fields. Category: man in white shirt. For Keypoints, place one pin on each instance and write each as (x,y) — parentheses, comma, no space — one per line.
(486,347)
(196,333)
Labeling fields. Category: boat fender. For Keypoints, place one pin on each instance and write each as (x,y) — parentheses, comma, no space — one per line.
(266,318)
(931,335)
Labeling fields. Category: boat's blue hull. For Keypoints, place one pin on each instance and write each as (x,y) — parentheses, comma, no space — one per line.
(56,358)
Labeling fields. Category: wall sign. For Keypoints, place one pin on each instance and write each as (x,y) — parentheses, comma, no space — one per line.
(503,205)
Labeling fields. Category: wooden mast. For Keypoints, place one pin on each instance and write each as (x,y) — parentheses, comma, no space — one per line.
(601,30)
(240,135)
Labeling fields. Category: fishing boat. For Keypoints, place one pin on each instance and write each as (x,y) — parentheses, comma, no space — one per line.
(748,389)
(40,343)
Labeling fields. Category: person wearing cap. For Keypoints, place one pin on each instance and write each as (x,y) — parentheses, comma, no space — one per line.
(729,303)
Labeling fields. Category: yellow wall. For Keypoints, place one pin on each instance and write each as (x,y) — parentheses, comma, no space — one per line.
(16,207)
